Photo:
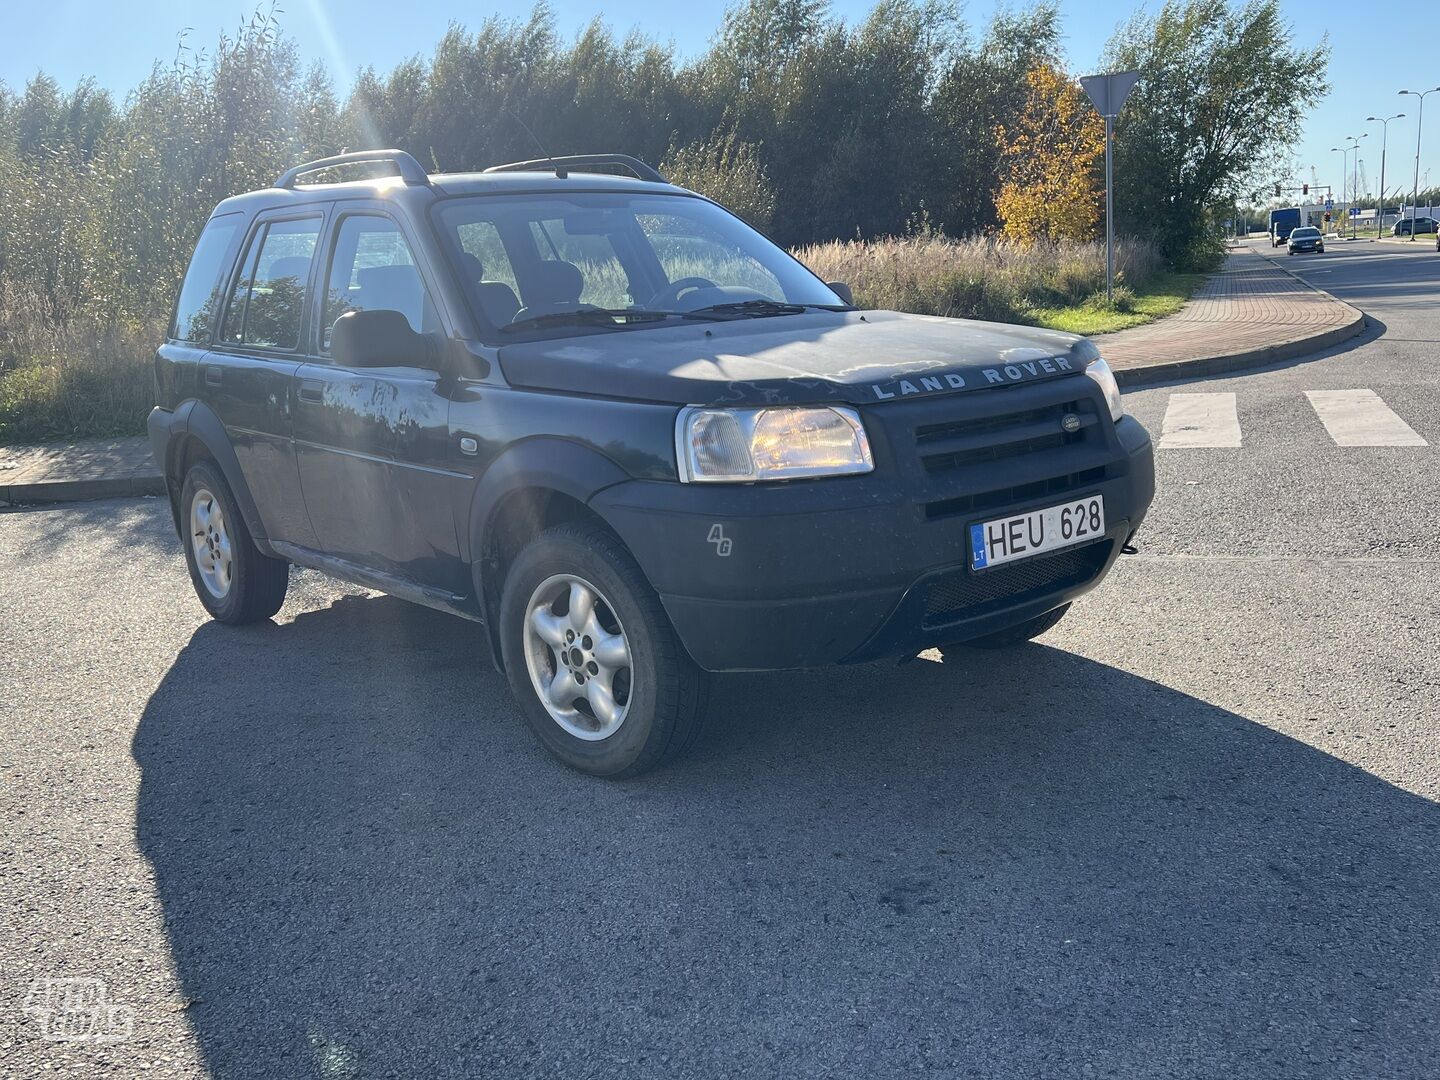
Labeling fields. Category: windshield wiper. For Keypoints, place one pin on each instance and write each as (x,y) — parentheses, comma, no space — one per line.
(756,307)
(589,317)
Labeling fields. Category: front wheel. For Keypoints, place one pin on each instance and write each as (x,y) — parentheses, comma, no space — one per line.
(592,658)
(1011,635)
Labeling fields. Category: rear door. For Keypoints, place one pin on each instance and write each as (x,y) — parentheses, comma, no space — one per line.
(247,378)
(371,443)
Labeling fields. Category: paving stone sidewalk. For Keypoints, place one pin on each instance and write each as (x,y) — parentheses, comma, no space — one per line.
(1252,312)
(88,469)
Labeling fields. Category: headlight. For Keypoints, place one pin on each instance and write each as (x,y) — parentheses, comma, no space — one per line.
(1105,378)
(740,445)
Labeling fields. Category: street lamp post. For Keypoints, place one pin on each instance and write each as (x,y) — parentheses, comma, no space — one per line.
(1384,122)
(1355,181)
(1419,120)
(1344,159)
(1344,198)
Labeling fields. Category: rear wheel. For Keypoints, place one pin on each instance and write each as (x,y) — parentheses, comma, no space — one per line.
(592,658)
(1011,635)
(235,582)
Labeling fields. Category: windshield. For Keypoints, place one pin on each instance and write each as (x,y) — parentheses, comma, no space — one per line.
(1301,234)
(593,261)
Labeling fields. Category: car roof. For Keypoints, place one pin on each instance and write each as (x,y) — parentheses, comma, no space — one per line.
(444,185)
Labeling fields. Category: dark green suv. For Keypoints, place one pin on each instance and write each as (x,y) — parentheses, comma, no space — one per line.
(627,433)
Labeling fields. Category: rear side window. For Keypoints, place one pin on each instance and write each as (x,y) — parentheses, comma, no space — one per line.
(269,295)
(196,311)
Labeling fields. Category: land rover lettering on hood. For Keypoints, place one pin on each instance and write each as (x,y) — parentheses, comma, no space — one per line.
(629,436)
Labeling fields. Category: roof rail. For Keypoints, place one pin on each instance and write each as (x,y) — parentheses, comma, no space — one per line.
(410,170)
(580,162)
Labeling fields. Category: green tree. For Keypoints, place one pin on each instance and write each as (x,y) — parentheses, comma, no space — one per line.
(981,90)
(728,171)
(1223,90)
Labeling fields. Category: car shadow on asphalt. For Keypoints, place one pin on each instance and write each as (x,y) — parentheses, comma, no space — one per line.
(1024,863)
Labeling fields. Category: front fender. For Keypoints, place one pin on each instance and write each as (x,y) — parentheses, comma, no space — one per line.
(541,463)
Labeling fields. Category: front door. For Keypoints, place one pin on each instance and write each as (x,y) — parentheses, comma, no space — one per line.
(247,377)
(371,442)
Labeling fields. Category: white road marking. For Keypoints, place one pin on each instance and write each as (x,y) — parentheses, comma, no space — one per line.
(1200,420)
(1360,418)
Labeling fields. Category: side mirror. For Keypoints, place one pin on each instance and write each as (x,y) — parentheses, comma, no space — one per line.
(840,289)
(377,338)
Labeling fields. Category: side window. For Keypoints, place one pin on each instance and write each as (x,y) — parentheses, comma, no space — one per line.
(269,295)
(371,269)
(195,313)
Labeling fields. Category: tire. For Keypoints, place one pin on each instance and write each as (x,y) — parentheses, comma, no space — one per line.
(1011,635)
(654,694)
(250,586)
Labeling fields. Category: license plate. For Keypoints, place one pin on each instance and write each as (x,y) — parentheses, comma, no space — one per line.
(1007,539)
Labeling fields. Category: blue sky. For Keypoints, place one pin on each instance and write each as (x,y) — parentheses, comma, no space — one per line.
(116,42)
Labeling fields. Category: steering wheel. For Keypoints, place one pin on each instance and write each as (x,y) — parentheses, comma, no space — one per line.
(670,295)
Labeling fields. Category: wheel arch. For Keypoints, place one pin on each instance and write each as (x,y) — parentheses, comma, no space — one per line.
(533,486)
(196,434)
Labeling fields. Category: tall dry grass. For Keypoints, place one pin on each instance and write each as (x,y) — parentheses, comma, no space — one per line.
(976,278)
(67,375)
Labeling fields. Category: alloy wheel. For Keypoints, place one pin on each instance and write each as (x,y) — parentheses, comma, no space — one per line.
(210,543)
(578,656)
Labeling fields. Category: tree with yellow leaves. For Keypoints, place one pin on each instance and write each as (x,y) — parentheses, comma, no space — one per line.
(1051,163)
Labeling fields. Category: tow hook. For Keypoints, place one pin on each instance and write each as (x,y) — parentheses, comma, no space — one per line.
(1129,548)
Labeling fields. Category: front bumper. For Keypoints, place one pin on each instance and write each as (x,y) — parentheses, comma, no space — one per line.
(810,573)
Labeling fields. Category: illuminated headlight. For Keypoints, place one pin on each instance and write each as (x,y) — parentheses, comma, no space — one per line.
(1105,379)
(742,445)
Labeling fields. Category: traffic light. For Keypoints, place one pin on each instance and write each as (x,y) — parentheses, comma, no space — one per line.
(1304,189)
(1327,217)
(1277,189)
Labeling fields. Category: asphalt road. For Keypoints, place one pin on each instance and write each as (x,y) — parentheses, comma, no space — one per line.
(1192,832)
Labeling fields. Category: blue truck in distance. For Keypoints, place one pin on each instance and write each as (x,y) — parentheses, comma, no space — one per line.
(1282,222)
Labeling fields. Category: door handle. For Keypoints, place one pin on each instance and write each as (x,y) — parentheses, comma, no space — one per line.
(312,390)
(213,375)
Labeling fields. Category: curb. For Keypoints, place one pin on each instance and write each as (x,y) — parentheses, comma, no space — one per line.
(1251,358)
(53,491)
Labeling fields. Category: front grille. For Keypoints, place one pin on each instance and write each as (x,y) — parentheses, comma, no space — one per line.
(997,497)
(965,594)
(1000,451)
(992,449)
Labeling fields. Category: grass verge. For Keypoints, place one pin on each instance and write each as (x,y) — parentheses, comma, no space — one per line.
(1164,294)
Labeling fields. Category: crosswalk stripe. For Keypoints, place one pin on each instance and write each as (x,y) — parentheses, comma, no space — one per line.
(1200,420)
(1360,418)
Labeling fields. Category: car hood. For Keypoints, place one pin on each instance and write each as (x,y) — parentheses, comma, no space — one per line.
(858,357)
